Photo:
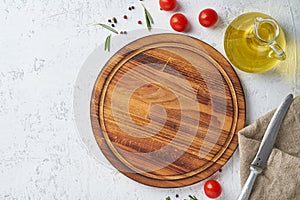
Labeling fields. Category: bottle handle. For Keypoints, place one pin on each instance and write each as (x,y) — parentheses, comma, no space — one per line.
(279,53)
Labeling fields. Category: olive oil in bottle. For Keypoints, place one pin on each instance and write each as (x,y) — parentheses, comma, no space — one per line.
(248,52)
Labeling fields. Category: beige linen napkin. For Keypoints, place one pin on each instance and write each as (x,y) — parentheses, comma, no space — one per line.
(281,178)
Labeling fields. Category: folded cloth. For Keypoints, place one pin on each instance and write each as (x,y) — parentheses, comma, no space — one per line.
(280,180)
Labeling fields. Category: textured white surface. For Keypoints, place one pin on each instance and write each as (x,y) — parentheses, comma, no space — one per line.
(43,45)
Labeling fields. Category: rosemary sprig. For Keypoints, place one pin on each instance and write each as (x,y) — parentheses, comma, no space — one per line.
(148,18)
(190,196)
(108,28)
(107,43)
(193,197)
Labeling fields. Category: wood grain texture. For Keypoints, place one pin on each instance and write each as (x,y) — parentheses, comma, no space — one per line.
(166,109)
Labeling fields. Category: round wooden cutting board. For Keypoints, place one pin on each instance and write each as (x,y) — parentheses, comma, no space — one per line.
(166,110)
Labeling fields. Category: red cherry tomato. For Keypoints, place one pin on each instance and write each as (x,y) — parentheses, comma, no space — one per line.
(167,5)
(178,22)
(208,17)
(212,189)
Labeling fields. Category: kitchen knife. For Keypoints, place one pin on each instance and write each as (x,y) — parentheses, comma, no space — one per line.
(266,146)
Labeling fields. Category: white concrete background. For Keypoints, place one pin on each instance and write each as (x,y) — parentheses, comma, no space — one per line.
(43,45)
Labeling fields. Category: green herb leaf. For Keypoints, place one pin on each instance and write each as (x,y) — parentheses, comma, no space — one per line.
(168,198)
(192,197)
(147,22)
(148,18)
(107,43)
(108,28)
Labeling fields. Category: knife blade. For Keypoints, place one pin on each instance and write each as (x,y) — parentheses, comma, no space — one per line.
(266,146)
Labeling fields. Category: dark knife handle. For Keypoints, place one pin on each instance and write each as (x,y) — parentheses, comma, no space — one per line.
(246,191)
